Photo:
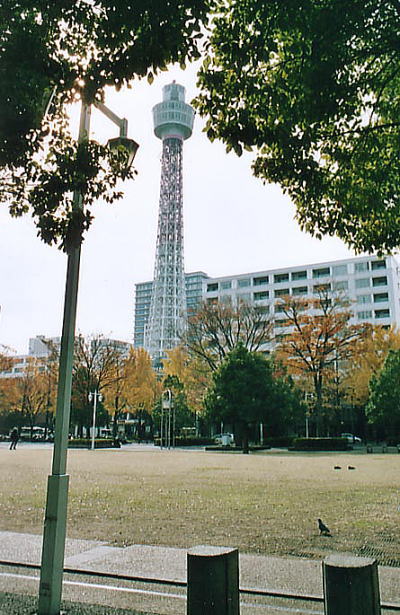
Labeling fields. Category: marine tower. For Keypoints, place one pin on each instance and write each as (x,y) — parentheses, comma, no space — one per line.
(173,123)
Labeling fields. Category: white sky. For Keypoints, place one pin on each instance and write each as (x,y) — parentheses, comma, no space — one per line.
(232,224)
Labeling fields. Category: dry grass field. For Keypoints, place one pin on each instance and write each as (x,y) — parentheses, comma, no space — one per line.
(262,503)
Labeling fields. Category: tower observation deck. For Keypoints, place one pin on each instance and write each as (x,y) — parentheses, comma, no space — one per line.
(173,123)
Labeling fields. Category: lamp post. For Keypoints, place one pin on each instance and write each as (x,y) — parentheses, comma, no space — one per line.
(94,397)
(167,406)
(308,399)
(54,532)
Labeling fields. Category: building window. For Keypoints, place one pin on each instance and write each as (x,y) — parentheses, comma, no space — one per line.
(281,323)
(243,282)
(260,281)
(382,281)
(341,285)
(226,284)
(281,292)
(262,309)
(212,287)
(299,275)
(281,277)
(212,300)
(299,290)
(361,267)
(261,295)
(339,270)
(244,298)
(382,313)
(363,283)
(321,288)
(321,273)
(364,315)
(381,297)
(381,264)
(361,299)
(279,308)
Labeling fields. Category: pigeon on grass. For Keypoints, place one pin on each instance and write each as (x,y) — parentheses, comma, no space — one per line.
(323,529)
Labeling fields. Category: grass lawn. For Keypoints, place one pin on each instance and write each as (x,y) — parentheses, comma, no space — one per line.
(262,503)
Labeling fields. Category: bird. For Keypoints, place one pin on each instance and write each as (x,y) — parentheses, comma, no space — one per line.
(350,467)
(323,529)
(337,467)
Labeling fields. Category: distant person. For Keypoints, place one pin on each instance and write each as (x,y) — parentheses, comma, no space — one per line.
(14,437)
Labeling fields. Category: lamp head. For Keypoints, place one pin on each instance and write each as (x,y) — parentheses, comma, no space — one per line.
(128,148)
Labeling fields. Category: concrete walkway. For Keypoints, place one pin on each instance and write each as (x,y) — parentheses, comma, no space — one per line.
(286,574)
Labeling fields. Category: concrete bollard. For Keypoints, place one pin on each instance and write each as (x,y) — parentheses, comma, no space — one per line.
(351,585)
(213,581)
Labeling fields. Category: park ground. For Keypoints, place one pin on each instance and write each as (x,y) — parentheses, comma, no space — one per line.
(266,503)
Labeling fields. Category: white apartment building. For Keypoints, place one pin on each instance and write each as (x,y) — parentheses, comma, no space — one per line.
(371,283)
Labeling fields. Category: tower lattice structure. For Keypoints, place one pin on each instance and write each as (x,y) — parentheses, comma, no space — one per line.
(173,123)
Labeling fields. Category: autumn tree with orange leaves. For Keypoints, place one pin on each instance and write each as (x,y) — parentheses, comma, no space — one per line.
(193,373)
(370,352)
(29,393)
(318,339)
(142,390)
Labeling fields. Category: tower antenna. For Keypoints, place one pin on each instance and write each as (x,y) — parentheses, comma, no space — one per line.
(173,123)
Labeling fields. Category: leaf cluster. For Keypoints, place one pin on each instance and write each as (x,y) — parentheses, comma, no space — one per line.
(383,408)
(313,87)
(53,53)
(247,388)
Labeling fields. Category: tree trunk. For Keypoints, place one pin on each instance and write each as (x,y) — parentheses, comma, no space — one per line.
(318,404)
(245,439)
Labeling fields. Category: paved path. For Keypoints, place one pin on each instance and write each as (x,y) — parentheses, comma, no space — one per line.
(288,574)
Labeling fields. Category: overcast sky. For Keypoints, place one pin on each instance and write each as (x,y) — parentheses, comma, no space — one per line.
(232,224)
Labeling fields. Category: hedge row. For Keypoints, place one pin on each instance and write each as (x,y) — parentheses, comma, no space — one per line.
(320,444)
(87,443)
(279,441)
(180,441)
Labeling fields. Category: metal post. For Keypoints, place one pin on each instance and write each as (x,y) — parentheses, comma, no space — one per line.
(161,425)
(173,426)
(94,417)
(169,427)
(50,587)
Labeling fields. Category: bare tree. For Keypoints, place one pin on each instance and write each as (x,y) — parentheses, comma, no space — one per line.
(97,366)
(217,328)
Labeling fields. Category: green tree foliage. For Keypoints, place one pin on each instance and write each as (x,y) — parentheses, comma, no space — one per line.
(245,392)
(383,408)
(313,86)
(53,53)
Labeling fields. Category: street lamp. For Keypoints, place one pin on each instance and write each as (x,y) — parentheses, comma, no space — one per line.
(308,399)
(167,406)
(54,532)
(94,397)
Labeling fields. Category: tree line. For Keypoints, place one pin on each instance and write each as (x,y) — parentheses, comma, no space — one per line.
(235,366)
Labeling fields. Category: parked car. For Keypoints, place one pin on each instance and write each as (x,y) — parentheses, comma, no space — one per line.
(225,439)
(351,438)
(36,433)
